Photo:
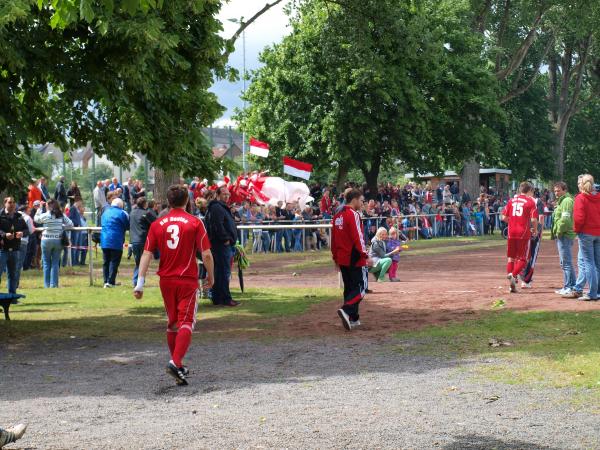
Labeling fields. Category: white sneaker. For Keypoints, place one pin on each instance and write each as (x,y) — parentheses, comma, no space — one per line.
(345,319)
(513,282)
(18,431)
(108,285)
(354,323)
(562,291)
(526,285)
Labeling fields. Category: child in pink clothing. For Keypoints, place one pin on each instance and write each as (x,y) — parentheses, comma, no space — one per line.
(390,245)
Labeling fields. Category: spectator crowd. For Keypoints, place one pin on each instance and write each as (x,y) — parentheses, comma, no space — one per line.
(391,213)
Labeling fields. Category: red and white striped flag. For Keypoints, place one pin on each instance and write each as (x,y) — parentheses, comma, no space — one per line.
(259,148)
(297,168)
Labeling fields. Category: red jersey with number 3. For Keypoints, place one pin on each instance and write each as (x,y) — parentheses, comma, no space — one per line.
(177,236)
(520,210)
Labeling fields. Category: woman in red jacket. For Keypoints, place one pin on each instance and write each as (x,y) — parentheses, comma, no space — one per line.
(586,223)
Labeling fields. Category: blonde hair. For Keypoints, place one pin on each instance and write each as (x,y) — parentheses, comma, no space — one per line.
(393,230)
(380,232)
(586,183)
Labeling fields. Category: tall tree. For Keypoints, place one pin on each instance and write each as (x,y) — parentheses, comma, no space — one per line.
(127,75)
(526,39)
(366,83)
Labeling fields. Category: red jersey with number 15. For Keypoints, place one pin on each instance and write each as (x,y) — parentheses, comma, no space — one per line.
(177,236)
(520,210)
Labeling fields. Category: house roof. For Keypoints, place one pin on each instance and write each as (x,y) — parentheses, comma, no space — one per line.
(452,173)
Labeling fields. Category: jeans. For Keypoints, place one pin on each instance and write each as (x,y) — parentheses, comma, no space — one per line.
(222,260)
(51,249)
(381,268)
(289,244)
(297,240)
(137,250)
(580,282)
(9,261)
(565,245)
(22,256)
(110,266)
(590,247)
(278,238)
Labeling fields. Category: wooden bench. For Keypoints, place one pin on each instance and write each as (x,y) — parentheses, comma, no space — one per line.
(6,300)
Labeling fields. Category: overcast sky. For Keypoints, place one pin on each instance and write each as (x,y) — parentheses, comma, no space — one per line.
(267,29)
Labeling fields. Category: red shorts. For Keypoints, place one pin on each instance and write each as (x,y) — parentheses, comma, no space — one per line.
(180,298)
(517,249)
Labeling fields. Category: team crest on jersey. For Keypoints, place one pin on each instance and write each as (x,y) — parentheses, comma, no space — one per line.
(339,222)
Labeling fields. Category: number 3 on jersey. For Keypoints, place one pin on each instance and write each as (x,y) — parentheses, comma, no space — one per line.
(517,209)
(173,230)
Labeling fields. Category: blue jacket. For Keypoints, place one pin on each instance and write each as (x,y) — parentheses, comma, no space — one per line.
(114,222)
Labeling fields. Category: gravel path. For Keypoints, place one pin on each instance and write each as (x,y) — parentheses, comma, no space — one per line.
(302,393)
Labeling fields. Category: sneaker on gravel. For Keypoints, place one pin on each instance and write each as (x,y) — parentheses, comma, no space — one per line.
(177,373)
(572,294)
(587,298)
(513,283)
(345,319)
(185,370)
(526,285)
(12,434)
(562,291)
(354,323)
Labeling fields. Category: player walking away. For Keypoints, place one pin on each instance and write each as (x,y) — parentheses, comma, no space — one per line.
(178,236)
(527,274)
(522,216)
(350,257)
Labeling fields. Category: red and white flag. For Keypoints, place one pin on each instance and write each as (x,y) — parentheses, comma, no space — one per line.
(297,168)
(259,148)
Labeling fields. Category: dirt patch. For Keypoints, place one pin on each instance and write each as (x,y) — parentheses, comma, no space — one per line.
(435,289)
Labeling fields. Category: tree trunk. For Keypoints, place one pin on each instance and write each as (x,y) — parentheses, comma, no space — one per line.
(372,174)
(162,181)
(470,178)
(559,147)
(342,175)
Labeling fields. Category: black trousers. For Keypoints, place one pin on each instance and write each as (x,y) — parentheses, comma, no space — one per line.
(222,261)
(355,286)
(110,266)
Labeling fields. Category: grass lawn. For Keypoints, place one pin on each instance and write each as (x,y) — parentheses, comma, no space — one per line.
(76,309)
(555,349)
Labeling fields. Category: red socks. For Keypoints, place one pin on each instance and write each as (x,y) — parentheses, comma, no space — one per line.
(509,267)
(182,343)
(519,266)
(171,337)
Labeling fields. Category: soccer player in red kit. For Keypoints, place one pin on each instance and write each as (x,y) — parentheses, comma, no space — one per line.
(521,213)
(178,237)
(350,257)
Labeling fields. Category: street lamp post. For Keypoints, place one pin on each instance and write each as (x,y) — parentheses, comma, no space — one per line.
(240,21)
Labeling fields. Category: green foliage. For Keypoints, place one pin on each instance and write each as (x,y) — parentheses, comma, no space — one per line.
(128,76)
(527,136)
(373,82)
(583,146)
